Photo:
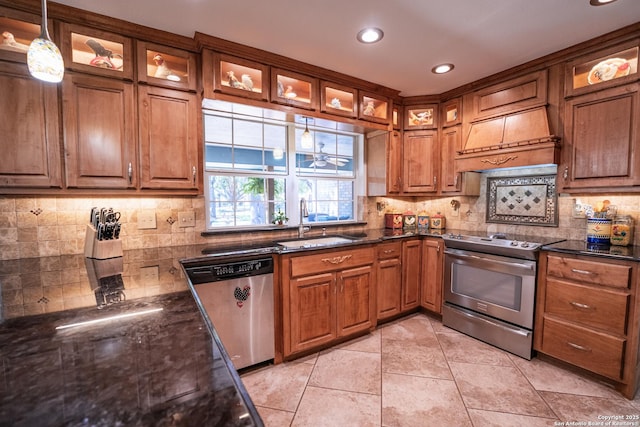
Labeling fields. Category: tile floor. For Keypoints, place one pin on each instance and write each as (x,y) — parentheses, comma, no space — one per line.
(416,372)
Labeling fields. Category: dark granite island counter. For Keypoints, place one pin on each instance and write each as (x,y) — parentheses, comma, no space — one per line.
(158,364)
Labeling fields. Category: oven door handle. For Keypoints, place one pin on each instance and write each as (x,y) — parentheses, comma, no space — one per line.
(484,319)
(492,260)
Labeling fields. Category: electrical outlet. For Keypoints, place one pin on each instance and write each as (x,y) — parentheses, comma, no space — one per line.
(146,219)
(186,219)
(149,275)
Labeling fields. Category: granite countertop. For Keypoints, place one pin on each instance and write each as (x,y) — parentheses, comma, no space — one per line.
(580,247)
(162,368)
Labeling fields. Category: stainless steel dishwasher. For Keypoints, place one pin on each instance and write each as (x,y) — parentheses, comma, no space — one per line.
(237,296)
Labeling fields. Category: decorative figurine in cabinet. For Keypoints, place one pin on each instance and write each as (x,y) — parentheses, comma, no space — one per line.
(421,117)
(337,99)
(294,89)
(240,77)
(602,69)
(18,31)
(374,109)
(451,112)
(165,66)
(97,52)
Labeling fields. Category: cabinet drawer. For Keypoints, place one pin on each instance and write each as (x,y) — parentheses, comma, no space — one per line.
(587,271)
(330,261)
(595,351)
(599,308)
(389,250)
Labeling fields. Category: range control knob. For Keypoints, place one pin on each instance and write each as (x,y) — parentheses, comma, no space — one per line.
(525,245)
(514,243)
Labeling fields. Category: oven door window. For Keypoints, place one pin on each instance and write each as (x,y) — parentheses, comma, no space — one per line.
(489,286)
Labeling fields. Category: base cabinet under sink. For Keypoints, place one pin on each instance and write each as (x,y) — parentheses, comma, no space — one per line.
(326,296)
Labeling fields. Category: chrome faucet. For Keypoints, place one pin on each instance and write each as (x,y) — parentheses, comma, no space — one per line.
(304,213)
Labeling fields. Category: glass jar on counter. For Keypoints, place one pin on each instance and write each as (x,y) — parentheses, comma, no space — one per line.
(622,230)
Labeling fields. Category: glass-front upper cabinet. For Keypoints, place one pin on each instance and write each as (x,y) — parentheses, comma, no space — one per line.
(294,89)
(451,112)
(373,108)
(421,116)
(97,52)
(338,99)
(164,66)
(18,30)
(602,69)
(240,77)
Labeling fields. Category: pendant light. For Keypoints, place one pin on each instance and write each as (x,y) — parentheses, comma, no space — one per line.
(43,57)
(306,141)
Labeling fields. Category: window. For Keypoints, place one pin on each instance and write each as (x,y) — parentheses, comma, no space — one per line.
(256,166)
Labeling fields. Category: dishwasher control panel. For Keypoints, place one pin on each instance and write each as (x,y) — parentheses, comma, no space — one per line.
(215,272)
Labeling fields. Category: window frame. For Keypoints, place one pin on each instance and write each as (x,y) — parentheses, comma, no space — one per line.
(291,174)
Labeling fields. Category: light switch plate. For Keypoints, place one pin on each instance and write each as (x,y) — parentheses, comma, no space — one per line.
(186,219)
(146,219)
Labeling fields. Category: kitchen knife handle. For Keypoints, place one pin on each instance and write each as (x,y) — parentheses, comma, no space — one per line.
(130,172)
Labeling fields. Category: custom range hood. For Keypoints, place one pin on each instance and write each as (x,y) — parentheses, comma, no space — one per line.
(509,127)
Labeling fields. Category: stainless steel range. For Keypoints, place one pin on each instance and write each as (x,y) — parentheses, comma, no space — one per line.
(490,286)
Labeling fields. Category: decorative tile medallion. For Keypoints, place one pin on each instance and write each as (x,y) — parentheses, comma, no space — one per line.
(530,200)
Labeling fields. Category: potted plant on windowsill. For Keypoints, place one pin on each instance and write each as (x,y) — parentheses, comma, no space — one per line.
(280,218)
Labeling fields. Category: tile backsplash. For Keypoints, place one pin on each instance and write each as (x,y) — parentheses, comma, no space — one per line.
(51,230)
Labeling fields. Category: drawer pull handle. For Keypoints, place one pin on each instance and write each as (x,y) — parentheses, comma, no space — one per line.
(575,270)
(580,305)
(578,347)
(389,251)
(337,259)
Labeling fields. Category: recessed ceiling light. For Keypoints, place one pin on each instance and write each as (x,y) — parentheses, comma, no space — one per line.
(600,2)
(442,68)
(370,35)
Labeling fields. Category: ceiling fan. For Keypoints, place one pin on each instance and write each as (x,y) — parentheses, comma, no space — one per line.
(321,159)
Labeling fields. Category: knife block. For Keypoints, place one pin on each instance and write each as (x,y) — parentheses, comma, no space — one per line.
(100,249)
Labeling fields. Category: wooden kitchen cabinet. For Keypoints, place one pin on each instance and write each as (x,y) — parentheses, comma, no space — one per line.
(165,66)
(451,181)
(587,315)
(384,163)
(389,279)
(99,132)
(234,76)
(421,161)
(30,128)
(374,108)
(411,255)
(98,52)
(431,274)
(168,133)
(294,89)
(326,296)
(601,148)
(338,99)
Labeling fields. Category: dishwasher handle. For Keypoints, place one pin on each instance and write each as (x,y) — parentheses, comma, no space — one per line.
(216,272)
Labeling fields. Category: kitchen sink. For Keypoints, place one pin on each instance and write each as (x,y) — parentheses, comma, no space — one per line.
(312,242)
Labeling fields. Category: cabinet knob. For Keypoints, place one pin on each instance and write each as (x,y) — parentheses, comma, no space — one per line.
(435,180)
(130,173)
(565,174)
(194,172)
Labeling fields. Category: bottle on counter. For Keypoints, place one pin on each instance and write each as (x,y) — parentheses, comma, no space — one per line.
(622,230)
